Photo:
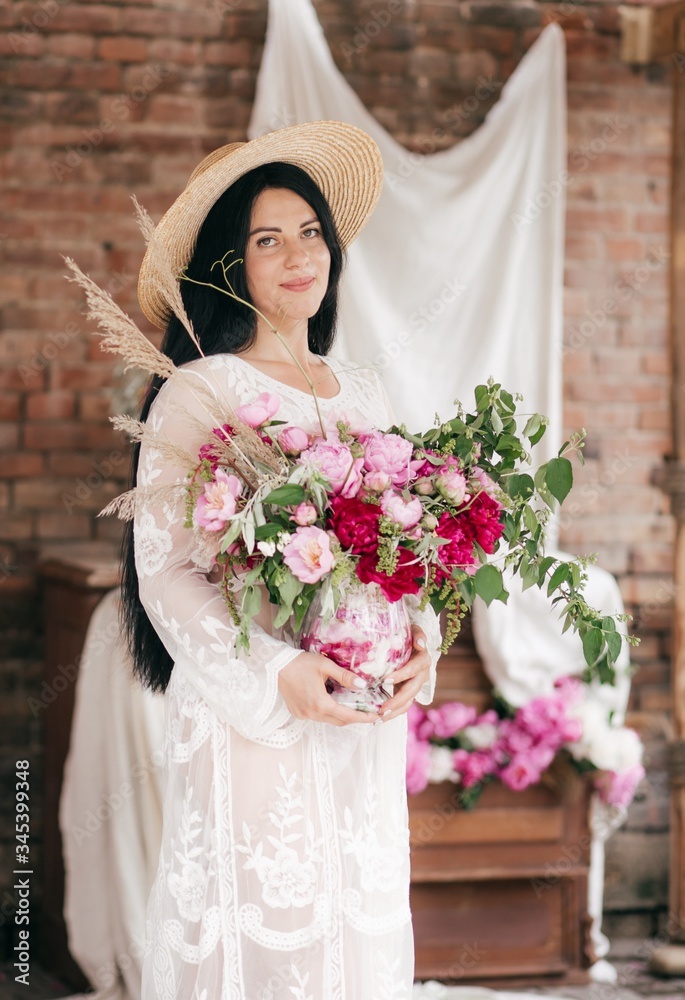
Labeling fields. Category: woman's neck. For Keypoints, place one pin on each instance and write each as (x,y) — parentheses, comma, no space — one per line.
(283,349)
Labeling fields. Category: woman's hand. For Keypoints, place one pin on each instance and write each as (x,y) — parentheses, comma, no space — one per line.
(302,684)
(409,679)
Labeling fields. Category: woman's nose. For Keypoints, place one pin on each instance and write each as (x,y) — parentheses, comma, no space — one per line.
(295,253)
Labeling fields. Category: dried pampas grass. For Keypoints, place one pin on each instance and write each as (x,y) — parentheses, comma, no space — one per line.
(120,335)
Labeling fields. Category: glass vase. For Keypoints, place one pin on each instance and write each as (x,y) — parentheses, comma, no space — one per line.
(367,634)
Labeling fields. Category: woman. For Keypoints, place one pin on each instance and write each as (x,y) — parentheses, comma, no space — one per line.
(284,869)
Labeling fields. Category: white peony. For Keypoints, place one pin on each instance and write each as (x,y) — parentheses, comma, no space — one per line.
(441,765)
(483,736)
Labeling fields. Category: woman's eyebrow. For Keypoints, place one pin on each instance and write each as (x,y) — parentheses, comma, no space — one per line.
(275,229)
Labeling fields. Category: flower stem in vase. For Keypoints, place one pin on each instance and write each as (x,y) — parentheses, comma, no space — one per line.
(366,634)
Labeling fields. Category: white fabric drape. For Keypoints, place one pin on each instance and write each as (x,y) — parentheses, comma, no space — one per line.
(448,283)
(110,811)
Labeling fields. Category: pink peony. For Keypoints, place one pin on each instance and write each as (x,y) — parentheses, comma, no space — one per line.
(406,513)
(486,483)
(415,717)
(451,484)
(217,505)
(523,770)
(450,718)
(336,462)
(459,548)
(293,440)
(308,554)
(388,453)
(418,763)
(305,514)
(618,789)
(260,410)
(473,767)
(377,481)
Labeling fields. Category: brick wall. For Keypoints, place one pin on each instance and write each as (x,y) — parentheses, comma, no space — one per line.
(103,100)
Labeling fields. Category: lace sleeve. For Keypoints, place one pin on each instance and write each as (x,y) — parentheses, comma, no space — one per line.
(427,619)
(184,605)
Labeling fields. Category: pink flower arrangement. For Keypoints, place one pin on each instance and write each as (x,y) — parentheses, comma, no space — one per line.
(515,748)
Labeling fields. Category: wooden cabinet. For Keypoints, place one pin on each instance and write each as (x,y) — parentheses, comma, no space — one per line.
(499,894)
(73,583)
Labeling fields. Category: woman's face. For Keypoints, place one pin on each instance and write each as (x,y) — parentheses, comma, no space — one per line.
(286,259)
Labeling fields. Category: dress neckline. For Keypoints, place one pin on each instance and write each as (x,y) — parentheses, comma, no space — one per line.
(291,388)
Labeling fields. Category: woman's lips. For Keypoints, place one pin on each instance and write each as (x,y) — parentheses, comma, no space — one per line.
(301,287)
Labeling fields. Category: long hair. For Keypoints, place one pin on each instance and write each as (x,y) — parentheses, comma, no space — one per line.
(222,326)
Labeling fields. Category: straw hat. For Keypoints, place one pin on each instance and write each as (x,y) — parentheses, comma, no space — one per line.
(342,159)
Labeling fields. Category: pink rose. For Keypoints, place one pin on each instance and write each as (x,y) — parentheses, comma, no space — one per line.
(336,462)
(217,505)
(388,453)
(377,481)
(305,514)
(260,410)
(293,440)
(451,484)
(618,788)
(406,513)
(308,554)
(418,764)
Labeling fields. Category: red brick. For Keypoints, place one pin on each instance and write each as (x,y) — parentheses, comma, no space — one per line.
(652,222)
(9,405)
(19,465)
(95,406)
(81,376)
(19,42)
(123,49)
(16,526)
(50,405)
(597,219)
(170,109)
(86,19)
(73,46)
(9,436)
(63,525)
(172,51)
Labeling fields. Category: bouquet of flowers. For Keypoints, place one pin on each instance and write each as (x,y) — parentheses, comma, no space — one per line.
(307,519)
(516,746)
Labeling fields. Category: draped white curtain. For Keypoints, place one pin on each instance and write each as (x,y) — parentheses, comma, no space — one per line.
(449,282)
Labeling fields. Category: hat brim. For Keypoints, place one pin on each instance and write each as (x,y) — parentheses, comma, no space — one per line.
(342,159)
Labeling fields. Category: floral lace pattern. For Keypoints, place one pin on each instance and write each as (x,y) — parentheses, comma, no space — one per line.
(284,868)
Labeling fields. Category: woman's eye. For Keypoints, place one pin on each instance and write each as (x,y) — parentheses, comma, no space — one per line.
(317,231)
(260,242)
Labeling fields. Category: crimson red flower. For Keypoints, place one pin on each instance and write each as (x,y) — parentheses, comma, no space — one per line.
(406,579)
(459,548)
(484,521)
(355,524)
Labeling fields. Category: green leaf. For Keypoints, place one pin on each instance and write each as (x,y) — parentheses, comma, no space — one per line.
(593,641)
(496,421)
(613,641)
(529,519)
(559,478)
(532,425)
(544,566)
(266,531)
(251,601)
(559,576)
(482,394)
(543,490)
(285,495)
(488,583)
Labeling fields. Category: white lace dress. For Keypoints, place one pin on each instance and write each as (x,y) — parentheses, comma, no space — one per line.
(284,866)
